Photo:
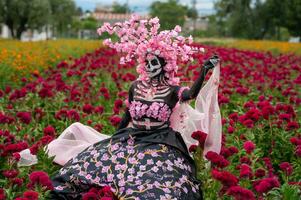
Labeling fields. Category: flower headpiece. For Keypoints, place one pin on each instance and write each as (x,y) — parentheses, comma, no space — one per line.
(139,38)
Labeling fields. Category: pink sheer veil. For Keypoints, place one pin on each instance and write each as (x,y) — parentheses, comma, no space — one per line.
(204,117)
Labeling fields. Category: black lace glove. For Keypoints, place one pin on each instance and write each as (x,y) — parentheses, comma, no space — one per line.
(192,93)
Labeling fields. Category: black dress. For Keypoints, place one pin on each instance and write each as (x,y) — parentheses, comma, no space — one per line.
(147,161)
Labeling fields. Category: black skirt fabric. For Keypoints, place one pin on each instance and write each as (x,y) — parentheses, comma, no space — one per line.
(136,164)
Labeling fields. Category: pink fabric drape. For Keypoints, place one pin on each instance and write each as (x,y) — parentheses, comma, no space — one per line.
(204,117)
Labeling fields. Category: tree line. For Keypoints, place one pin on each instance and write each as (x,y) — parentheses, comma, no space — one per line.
(251,19)
(20,15)
(257,19)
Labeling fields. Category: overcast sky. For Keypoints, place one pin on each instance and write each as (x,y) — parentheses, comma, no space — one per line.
(141,6)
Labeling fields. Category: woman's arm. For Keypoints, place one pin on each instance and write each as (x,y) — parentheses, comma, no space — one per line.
(192,93)
(126,118)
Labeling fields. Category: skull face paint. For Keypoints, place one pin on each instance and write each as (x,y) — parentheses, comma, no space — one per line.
(153,66)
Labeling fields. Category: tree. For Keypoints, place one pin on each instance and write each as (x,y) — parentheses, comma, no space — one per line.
(170,13)
(21,15)
(293,17)
(118,8)
(62,14)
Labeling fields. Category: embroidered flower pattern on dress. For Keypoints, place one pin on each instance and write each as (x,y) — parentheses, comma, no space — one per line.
(156,110)
(126,161)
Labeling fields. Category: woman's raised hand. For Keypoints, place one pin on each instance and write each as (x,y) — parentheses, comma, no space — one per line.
(211,62)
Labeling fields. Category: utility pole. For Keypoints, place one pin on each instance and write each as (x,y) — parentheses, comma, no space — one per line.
(127,6)
(194,17)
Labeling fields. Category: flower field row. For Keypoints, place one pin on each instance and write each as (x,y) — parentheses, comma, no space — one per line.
(18,59)
(273,46)
(276,47)
(259,97)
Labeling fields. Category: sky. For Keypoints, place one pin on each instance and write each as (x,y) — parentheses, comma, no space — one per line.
(141,6)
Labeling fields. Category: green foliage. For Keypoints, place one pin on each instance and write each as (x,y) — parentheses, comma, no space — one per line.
(293,17)
(20,15)
(258,19)
(170,13)
(89,23)
(118,8)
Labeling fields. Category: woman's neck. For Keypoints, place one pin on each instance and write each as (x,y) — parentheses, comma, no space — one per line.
(157,80)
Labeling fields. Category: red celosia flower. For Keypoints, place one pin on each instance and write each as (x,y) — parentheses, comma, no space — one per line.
(40,178)
(17,181)
(32,195)
(245,171)
(46,139)
(103,193)
(2,194)
(231,129)
(260,173)
(225,177)
(192,148)
(267,111)
(266,184)
(233,150)
(286,167)
(217,159)
(10,173)
(35,148)
(200,136)
(98,127)
(90,196)
(16,156)
(248,123)
(233,116)
(245,159)
(73,115)
(240,193)
(296,141)
(49,130)
(115,120)
(118,103)
(292,125)
(88,108)
(285,116)
(249,146)
(99,109)
(46,92)
(25,117)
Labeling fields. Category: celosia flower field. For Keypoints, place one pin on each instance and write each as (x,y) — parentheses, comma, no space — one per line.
(259,97)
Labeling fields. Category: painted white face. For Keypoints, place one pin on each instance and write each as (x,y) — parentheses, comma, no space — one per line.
(153,66)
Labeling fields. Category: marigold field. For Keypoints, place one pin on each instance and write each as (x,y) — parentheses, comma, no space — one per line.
(259,97)
(18,59)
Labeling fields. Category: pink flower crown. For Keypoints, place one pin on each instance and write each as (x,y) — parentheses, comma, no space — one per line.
(140,37)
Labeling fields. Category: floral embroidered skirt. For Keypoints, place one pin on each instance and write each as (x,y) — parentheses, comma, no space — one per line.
(136,164)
